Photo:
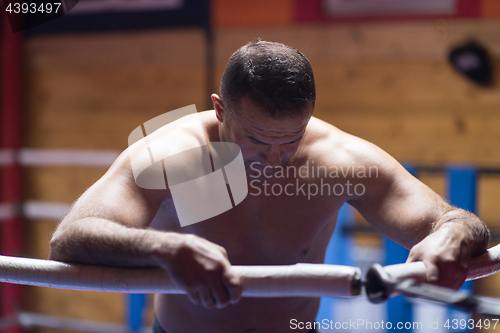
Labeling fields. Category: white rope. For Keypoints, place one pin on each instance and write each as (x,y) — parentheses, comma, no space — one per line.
(300,280)
(30,320)
(36,210)
(485,265)
(45,210)
(57,157)
(49,158)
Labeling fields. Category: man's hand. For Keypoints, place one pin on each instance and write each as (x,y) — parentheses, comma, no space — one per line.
(446,254)
(202,269)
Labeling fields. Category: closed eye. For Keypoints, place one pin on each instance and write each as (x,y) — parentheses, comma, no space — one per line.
(256,142)
(294,141)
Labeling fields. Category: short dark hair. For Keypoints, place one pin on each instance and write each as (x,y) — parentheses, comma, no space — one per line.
(276,77)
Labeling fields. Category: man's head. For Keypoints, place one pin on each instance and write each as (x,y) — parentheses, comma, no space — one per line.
(277,78)
(267,98)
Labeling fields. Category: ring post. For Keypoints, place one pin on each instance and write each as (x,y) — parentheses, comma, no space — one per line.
(136,307)
(11,97)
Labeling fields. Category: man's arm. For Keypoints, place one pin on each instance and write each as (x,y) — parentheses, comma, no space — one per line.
(404,209)
(455,237)
(107,226)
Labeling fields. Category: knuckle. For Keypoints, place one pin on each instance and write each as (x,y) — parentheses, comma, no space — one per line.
(208,303)
(193,297)
(232,279)
(221,305)
(187,240)
(220,257)
(232,283)
(214,268)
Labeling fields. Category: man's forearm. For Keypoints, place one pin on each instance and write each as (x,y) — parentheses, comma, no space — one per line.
(474,226)
(102,242)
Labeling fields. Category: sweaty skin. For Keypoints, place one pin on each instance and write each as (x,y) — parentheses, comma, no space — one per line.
(117,223)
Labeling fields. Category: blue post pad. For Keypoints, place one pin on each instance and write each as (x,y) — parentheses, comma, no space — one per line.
(461,192)
(136,305)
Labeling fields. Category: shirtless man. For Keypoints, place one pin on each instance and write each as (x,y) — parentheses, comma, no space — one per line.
(266,104)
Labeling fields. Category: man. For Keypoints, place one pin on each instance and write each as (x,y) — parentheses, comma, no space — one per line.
(266,104)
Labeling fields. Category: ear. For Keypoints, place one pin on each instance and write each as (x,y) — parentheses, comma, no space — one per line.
(220,113)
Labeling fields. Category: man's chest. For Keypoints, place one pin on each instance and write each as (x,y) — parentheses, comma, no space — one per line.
(268,227)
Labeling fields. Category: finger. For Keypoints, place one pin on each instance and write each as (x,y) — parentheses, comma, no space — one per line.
(218,289)
(465,256)
(206,298)
(232,283)
(220,294)
(412,256)
(194,297)
(432,272)
(223,250)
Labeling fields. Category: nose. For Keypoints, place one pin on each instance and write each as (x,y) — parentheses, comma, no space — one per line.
(273,156)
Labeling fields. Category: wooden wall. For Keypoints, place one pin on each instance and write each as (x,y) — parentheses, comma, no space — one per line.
(389,83)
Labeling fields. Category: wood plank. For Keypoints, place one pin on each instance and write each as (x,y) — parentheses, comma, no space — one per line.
(436,182)
(487,200)
(367,42)
(59,184)
(230,13)
(184,46)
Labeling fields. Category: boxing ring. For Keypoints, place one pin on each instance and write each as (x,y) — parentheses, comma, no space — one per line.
(301,280)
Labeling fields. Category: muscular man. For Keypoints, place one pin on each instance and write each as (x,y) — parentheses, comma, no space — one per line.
(267,96)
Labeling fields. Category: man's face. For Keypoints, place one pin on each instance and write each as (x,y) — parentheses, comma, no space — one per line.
(264,141)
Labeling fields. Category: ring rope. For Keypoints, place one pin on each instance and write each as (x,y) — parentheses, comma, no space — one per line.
(299,280)
(482,266)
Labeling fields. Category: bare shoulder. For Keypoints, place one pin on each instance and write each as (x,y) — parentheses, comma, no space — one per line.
(169,140)
(182,134)
(329,145)
(140,161)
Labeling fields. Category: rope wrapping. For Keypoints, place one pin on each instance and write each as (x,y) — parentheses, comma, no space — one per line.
(482,266)
(299,280)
